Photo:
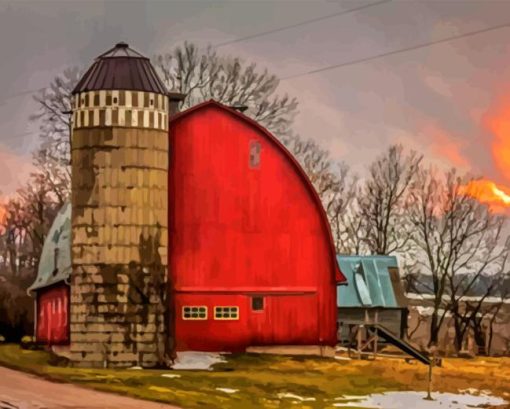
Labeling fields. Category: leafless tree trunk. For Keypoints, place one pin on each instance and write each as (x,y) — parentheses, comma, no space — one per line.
(494,311)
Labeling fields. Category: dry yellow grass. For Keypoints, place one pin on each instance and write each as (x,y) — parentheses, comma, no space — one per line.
(259,379)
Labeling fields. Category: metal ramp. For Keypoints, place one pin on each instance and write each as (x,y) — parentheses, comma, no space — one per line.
(389,337)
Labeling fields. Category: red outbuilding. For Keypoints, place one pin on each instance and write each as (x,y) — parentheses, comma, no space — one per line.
(251,256)
(51,288)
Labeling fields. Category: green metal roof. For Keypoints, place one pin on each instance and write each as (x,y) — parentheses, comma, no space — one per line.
(370,282)
(59,237)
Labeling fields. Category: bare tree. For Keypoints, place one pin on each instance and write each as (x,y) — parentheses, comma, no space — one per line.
(15,232)
(57,178)
(203,74)
(54,117)
(494,314)
(458,240)
(382,198)
(468,311)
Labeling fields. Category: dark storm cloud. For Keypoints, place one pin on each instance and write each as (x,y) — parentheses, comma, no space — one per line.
(432,99)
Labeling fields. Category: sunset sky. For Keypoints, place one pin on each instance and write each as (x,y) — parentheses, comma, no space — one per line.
(450,101)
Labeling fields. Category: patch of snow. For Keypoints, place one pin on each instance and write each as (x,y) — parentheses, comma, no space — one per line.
(342,358)
(427,311)
(470,391)
(293,396)
(351,397)
(405,400)
(136,367)
(415,296)
(227,390)
(171,375)
(354,405)
(197,360)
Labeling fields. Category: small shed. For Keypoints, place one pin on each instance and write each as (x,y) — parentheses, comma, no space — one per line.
(51,286)
(374,295)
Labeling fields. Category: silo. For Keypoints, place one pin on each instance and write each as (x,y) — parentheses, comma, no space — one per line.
(119,201)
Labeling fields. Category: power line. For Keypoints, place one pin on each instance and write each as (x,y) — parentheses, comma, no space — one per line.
(302,23)
(20,94)
(401,50)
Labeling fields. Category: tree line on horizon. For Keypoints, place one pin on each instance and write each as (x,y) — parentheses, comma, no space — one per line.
(402,206)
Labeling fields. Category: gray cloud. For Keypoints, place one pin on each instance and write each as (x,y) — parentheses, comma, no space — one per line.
(432,99)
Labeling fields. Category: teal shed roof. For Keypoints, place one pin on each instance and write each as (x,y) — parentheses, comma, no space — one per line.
(373,281)
(59,237)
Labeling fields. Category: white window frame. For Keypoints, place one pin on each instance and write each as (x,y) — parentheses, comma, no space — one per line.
(197,307)
(222,312)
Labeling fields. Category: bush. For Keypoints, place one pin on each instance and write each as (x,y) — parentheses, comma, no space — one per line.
(28,342)
(16,308)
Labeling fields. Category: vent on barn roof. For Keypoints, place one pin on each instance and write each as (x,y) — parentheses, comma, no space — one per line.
(121,68)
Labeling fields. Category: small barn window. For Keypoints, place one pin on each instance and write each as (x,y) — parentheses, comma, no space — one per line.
(194,313)
(257,303)
(55,260)
(226,313)
(255,154)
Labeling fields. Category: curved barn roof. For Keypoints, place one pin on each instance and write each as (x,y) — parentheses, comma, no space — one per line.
(55,265)
(339,276)
(121,68)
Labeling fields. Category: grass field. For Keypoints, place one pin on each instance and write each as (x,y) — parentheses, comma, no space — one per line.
(265,381)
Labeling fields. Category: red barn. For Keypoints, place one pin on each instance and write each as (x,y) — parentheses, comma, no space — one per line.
(251,259)
(251,255)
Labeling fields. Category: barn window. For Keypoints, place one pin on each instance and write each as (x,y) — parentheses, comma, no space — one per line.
(257,303)
(254,154)
(226,313)
(194,313)
(55,260)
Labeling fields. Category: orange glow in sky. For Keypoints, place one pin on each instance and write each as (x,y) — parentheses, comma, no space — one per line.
(487,192)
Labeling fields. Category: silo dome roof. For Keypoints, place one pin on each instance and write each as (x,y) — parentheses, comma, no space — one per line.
(121,68)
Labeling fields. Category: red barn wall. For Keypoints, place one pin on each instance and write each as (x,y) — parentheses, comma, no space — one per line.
(52,314)
(238,231)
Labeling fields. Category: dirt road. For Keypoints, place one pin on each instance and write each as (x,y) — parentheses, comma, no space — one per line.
(22,391)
